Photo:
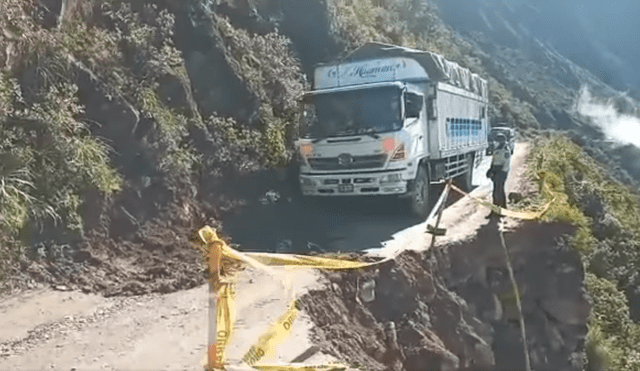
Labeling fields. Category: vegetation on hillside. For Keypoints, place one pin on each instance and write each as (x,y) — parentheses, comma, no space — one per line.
(59,146)
(607,214)
(99,128)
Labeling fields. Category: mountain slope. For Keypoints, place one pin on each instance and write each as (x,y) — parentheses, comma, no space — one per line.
(126,125)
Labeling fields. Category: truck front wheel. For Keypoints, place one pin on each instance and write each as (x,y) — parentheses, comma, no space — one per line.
(420,197)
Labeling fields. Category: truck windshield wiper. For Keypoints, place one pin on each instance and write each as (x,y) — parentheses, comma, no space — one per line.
(368,132)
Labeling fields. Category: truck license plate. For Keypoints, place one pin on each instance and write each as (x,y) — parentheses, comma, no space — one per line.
(344,188)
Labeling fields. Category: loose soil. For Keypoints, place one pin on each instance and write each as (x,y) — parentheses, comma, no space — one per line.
(145,306)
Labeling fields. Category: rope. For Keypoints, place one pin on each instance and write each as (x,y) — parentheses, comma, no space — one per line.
(518,304)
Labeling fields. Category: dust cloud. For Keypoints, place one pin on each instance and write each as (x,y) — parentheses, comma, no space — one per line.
(618,126)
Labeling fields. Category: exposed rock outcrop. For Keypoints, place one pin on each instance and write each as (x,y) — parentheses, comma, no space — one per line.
(455,309)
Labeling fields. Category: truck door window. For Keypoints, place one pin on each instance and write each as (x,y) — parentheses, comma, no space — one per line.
(413,105)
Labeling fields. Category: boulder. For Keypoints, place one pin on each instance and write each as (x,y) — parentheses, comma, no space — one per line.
(430,354)
(572,311)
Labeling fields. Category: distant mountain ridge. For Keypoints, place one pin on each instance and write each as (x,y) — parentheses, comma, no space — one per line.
(602,38)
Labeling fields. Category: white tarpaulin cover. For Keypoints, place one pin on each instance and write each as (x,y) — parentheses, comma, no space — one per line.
(437,68)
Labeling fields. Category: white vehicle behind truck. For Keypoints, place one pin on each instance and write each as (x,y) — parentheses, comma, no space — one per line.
(389,120)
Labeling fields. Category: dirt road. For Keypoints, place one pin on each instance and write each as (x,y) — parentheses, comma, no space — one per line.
(58,330)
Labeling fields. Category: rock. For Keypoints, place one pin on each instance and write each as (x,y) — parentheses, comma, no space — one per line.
(569,311)
(394,356)
(430,354)
(284,246)
(175,91)
(426,287)
(494,311)
(367,291)
(515,197)
(216,86)
(315,247)
(272,196)
(607,227)
(538,358)
(483,357)
(555,338)
(577,361)
(336,289)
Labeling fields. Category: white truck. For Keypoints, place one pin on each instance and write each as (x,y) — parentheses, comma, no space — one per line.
(388,120)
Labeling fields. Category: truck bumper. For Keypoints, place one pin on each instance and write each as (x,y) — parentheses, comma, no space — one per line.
(392,182)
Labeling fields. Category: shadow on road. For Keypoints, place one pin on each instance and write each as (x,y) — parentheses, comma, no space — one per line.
(345,224)
(317,225)
(323,224)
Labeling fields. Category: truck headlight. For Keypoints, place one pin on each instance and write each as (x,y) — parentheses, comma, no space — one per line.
(397,149)
(400,153)
(390,178)
(306,150)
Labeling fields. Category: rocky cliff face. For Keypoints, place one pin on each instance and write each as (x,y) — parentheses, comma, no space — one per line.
(453,308)
(186,101)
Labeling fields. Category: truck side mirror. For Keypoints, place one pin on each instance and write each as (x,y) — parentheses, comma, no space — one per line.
(413,105)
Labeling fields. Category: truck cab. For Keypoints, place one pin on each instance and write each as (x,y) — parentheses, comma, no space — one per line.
(360,140)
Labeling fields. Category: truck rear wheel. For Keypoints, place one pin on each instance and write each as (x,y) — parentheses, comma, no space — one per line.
(421,194)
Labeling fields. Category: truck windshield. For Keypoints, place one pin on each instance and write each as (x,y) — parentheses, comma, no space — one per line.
(355,112)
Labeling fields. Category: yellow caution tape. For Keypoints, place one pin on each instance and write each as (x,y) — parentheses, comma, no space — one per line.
(282,328)
(301,367)
(277,333)
(290,367)
(224,325)
(213,250)
(304,261)
(525,215)
(264,260)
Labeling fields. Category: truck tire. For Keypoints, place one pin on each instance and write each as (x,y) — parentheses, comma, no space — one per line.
(465,181)
(421,194)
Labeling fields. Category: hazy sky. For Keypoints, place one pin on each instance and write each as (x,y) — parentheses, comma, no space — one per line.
(616,23)
(602,36)
(612,27)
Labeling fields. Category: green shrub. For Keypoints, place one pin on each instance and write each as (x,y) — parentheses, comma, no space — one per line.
(266,64)
(508,108)
(612,334)
(56,159)
(570,176)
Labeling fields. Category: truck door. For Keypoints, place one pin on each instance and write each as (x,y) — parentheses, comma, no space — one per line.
(415,122)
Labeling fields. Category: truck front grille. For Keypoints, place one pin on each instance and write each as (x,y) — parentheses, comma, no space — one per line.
(356,162)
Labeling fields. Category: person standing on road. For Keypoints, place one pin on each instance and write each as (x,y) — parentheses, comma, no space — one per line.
(499,170)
